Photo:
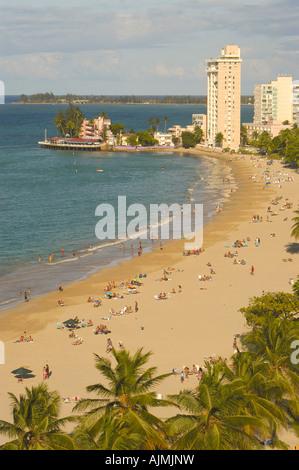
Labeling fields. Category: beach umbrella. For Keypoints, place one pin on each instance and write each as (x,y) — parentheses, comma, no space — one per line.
(268,182)
(21,372)
(70,322)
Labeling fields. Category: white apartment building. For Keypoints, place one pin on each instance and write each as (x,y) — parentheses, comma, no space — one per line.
(274,101)
(296,102)
(165,140)
(201,121)
(224,97)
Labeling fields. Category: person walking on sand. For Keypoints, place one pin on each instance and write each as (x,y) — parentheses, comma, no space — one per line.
(136,307)
(109,345)
(44,373)
(252,270)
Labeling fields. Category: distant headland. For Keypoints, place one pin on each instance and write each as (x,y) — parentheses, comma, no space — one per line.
(50,98)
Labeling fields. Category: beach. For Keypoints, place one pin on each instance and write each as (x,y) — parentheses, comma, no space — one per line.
(198,321)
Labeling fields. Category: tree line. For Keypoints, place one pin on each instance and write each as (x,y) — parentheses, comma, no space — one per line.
(285,145)
(124,99)
(240,404)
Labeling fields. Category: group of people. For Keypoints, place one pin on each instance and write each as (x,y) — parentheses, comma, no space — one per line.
(196,370)
(204,277)
(102,330)
(24,338)
(193,252)
(257,218)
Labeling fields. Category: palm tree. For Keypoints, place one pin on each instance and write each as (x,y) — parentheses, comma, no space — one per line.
(252,370)
(125,400)
(158,122)
(272,345)
(36,425)
(219,138)
(295,227)
(165,119)
(151,122)
(60,122)
(213,418)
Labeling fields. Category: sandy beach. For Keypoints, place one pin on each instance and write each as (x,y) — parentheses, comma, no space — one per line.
(196,323)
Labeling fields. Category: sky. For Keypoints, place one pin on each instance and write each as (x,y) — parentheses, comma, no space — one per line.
(138,47)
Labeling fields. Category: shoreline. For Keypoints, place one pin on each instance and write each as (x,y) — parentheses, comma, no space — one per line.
(18,300)
(172,249)
(199,322)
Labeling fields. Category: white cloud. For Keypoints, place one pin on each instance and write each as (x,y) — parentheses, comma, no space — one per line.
(133,40)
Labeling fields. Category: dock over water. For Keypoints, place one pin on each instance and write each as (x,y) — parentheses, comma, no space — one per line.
(57,143)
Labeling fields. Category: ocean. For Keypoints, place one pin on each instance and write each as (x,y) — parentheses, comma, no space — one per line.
(48,198)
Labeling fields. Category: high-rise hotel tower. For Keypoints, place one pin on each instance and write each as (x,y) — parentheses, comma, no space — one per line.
(224,97)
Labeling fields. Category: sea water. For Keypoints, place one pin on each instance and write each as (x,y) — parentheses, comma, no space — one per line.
(48,198)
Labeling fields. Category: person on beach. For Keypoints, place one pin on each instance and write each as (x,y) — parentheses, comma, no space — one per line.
(39,259)
(252,270)
(44,373)
(182,376)
(74,253)
(136,307)
(25,296)
(60,287)
(109,345)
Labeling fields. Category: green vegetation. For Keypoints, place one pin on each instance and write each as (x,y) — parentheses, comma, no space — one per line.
(145,139)
(285,145)
(188,140)
(69,123)
(295,227)
(36,425)
(237,405)
(125,99)
(191,139)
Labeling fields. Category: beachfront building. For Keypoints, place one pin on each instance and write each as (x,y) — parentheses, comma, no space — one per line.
(200,120)
(274,101)
(273,107)
(296,102)
(224,97)
(165,140)
(272,127)
(93,128)
(176,131)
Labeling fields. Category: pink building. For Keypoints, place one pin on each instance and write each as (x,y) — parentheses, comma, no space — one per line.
(93,128)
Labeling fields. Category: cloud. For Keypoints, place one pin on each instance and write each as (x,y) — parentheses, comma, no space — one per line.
(46,29)
(133,40)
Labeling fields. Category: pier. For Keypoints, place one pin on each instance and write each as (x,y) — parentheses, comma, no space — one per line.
(62,143)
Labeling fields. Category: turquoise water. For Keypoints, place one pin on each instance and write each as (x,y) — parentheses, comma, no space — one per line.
(48,198)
